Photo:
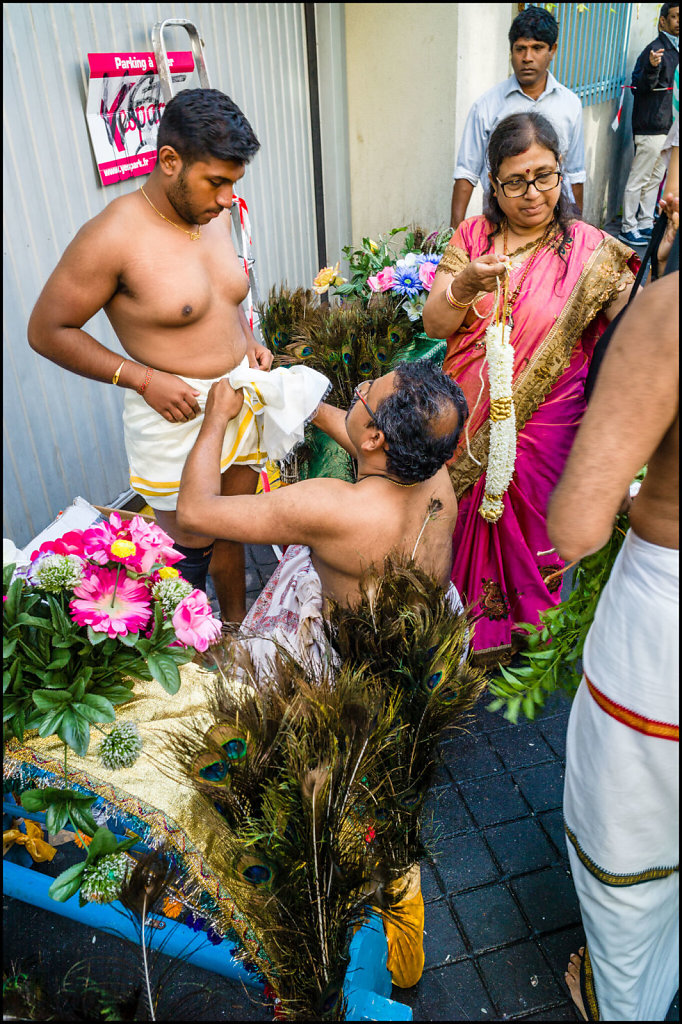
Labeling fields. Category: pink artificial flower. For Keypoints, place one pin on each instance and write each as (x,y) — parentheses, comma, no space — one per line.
(382,281)
(70,544)
(194,623)
(427,272)
(154,543)
(98,539)
(92,605)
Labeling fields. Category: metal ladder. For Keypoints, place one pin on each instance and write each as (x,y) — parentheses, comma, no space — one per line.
(240,222)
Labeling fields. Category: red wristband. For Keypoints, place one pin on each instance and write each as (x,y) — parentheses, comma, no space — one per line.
(147,378)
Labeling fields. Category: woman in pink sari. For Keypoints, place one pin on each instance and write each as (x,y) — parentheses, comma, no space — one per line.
(564,280)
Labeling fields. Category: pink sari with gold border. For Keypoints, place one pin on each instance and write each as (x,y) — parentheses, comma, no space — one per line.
(500,568)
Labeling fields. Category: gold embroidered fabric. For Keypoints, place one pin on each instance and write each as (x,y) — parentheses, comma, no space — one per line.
(174,813)
(605,274)
(453,260)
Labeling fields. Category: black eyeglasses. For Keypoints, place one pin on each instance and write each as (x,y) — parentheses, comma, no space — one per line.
(517,187)
(358,394)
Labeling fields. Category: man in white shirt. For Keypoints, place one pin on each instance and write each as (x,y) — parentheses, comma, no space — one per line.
(532,38)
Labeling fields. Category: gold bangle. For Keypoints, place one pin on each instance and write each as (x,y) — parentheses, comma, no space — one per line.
(114,379)
(452,301)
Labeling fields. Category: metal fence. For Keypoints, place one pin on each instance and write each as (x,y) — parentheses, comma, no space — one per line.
(593,45)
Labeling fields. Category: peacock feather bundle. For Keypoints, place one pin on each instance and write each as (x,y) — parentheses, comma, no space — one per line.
(282,314)
(286,765)
(405,628)
(349,343)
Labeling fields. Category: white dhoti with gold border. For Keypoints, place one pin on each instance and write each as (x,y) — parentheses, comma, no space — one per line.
(277,406)
(621,789)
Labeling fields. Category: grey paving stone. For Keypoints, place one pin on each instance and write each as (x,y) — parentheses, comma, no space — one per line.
(448,993)
(431,890)
(442,940)
(521,747)
(489,917)
(444,815)
(553,823)
(548,899)
(442,776)
(559,946)
(464,862)
(542,786)
(470,757)
(554,731)
(493,800)
(519,979)
(262,555)
(566,1012)
(520,846)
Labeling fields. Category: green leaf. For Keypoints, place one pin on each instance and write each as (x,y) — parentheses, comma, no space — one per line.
(117,694)
(8,648)
(496,705)
(129,639)
(56,817)
(512,712)
(103,842)
(60,661)
(74,730)
(165,671)
(49,700)
(67,884)
(83,819)
(96,638)
(528,705)
(103,711)
(50,724)
(77,689)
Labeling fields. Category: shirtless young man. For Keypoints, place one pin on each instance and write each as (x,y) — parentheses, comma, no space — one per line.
(621,789)
(161,264)
(401,428)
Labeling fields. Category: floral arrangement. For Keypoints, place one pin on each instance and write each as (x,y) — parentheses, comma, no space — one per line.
(407,272)
(91,610)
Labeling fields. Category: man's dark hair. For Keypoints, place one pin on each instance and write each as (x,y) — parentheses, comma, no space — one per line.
(534,23)
(417,420)
(665,10)
(200,123)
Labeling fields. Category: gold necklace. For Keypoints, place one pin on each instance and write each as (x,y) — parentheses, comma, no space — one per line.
(194,235)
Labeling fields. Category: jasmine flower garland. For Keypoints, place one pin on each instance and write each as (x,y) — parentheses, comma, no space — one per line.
(103,879)
(502,451)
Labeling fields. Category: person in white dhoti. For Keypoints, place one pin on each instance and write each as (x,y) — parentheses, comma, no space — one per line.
(621,788)
(401,429)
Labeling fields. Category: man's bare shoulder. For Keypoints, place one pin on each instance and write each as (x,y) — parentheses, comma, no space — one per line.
(111,227)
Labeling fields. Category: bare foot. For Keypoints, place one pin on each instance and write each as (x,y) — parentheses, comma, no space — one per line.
(572,979)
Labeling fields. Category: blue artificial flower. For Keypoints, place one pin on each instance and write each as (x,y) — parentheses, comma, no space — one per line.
(406,280)
(428,257)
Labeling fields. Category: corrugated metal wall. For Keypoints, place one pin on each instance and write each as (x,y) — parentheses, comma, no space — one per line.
(62,434)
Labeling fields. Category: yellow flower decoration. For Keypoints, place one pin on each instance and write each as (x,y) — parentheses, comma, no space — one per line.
(373,247)
(169,572)
(123,548)
(326,277)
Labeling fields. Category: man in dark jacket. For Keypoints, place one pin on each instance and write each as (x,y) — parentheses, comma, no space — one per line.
(652,116)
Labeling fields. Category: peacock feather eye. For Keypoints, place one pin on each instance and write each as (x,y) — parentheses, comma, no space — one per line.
(329,999)
(433,680)
(214,772)
(211,768)
(365,369)
(382,355)
(236,749)
(409,801)
(255,871)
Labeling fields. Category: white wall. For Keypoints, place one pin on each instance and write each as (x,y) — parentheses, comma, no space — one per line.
(413,72)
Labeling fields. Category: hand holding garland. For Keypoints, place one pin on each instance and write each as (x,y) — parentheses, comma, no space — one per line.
(451,296)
